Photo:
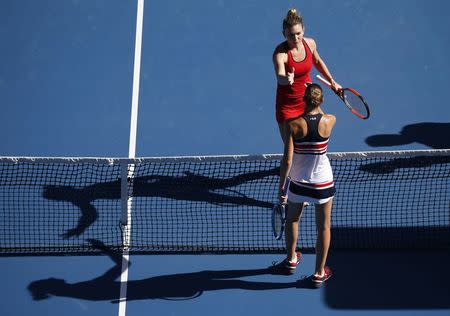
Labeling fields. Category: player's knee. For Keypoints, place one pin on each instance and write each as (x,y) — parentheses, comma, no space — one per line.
(292,220)
(326,225)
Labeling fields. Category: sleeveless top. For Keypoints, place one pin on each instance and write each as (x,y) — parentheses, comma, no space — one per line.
(289,99)
(311,174)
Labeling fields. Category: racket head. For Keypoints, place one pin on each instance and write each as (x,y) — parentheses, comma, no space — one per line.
(278,220)
(355,102)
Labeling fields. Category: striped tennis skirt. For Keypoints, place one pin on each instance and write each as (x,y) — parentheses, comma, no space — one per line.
(312,193)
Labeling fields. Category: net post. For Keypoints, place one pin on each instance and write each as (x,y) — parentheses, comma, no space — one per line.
(127,203)
(124,193)
(126,198)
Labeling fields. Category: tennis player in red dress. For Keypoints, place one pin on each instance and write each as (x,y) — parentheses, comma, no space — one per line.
(293,60)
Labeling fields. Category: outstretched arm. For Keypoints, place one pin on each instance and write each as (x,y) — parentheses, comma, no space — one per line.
(279,59)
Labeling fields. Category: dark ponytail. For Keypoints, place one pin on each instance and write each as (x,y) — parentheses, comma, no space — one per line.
(313,96)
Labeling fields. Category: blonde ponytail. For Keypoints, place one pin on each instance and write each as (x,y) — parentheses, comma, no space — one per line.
(292,18)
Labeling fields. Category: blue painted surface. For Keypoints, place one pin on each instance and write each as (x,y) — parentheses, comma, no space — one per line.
(207,81)
(208,87)
(21,272)
(229,284)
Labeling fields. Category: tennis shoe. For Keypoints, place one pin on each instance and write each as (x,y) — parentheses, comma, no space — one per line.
(286,266)
(319,280)
(291,265)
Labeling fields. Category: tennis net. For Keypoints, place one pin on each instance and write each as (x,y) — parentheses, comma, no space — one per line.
(220,204)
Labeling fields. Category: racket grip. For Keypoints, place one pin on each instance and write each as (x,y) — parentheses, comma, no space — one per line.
(323,80)
(286,185)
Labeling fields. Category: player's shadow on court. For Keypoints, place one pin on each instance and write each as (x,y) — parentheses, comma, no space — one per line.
(181,286)
(188,187)
(368,280)
(392,165)
(433,135)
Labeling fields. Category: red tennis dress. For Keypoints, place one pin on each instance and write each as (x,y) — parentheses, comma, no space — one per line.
(289,101)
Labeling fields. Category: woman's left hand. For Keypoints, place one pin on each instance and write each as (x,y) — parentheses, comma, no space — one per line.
(335,86)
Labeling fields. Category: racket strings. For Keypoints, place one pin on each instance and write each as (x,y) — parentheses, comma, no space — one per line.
(356,104)
(278,221)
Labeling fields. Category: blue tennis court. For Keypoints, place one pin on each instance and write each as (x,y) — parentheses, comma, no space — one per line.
(207,87)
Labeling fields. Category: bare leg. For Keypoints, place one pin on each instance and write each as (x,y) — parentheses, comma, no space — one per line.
(323,223)
(282,129)
(291,236)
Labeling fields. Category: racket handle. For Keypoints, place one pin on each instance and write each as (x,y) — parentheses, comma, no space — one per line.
(323,80)
(286,185)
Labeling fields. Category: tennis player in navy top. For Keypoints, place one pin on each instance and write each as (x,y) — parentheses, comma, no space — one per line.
(311,180)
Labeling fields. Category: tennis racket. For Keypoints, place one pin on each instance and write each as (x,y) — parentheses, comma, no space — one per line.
(279,215)
(352,99)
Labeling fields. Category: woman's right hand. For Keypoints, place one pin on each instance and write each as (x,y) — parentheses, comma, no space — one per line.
(290,76)
(283,199)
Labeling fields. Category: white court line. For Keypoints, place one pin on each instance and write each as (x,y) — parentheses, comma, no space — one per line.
(131,154)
